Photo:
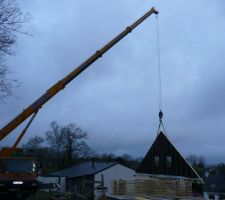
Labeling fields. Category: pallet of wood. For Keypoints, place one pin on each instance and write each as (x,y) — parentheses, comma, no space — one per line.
(152,186)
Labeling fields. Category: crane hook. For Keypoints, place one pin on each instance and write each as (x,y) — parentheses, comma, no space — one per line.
(160,115)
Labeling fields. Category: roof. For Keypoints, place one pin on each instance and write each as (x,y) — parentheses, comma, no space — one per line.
(215,183)
(164,159)
(84,169)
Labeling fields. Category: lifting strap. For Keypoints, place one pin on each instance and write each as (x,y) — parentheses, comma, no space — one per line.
(161,125)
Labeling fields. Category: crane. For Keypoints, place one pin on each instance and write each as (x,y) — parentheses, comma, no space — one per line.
(7,154)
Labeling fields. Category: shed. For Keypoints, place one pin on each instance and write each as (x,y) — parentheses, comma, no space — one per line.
(85,178)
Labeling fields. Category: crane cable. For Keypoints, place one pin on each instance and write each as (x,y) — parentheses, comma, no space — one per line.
(159,78)
(159,64)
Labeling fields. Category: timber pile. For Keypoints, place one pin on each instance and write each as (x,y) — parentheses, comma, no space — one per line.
(152,186)
(119,187)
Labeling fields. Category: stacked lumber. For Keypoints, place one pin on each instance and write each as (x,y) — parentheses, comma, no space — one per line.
(119,187)
(152,186)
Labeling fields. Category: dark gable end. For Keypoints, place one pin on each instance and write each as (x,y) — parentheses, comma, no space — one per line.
(164,159)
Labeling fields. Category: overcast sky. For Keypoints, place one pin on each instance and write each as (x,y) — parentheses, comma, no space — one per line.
(116,99)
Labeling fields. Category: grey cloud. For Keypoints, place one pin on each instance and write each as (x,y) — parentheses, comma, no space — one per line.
(116,99)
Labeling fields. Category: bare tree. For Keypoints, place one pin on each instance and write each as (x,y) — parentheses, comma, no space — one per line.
(68,141)
(34,143)
(73,141)
(54,137)
(196,160)
(11,21)
(198,163)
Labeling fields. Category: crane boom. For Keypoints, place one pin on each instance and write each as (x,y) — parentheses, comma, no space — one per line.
(52,91)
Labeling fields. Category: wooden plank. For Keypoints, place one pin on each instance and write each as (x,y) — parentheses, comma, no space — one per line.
(152,186)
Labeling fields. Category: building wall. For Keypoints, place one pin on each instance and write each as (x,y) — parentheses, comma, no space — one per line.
(213,195)
(115,172)
(163,158)
(62,183)
(206,196)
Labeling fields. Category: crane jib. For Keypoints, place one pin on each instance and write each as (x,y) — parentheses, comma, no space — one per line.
(40,101)
(95,56)
(34,107)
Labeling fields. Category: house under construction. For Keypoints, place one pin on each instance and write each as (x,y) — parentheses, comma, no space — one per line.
(163,172)
(164,159)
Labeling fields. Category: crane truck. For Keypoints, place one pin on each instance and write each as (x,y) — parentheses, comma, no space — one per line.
(18,173)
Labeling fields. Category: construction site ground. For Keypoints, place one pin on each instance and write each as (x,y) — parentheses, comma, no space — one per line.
(146,197)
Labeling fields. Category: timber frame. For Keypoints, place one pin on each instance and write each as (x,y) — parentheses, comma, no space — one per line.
(164,161)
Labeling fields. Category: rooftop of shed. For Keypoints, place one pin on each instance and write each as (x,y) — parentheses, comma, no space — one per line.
(84,169)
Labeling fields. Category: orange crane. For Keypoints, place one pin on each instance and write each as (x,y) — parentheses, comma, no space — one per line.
(12,174)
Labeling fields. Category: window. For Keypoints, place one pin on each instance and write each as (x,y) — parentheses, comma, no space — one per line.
(156,161)
(18,165)
(168,161)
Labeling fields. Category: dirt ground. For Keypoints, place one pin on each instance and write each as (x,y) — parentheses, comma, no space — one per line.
(40,196)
